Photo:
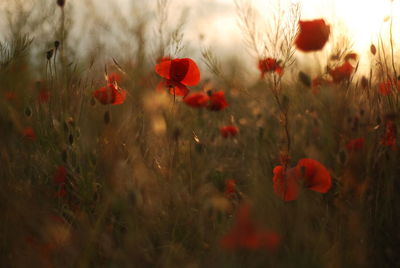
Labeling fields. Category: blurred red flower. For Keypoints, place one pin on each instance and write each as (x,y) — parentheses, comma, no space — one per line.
(217,101)
(311,173)
(386,88)
(389,137)
(29,133)
(285,183)
(318,82)
(110,94)
(269,65)
(230,187)
(196,100)
(229,131)
(342,72)
(315,176)
(313,35)
(245,234)
(355,145)
(60,176)
(178,73)
(113,78)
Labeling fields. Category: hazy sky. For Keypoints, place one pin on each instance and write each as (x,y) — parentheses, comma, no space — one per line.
(216,20)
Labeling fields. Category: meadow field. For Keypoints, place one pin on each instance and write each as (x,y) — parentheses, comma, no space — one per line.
(122,144)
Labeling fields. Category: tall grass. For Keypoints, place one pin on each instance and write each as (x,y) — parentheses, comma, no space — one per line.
(145,184)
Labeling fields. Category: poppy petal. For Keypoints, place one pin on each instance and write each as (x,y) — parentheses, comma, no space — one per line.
(313,35)
(316,177)
(196,100)
(163,68)
(120,96)
(285,183)
(192,76)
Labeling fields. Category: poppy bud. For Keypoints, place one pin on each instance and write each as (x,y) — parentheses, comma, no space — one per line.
(364,82)
(49,54)
(28,111)
(61,3)
(56,44)
(305,79)
(373,49)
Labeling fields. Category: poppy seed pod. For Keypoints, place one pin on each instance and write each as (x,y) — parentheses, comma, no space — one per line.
(49,54)
(61,3)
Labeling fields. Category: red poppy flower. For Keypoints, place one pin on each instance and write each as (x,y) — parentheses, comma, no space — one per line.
(313,35)
(230,186)
(269,65)
(318,82)
(229,131)
(389,137)
(386,88)
(178,73)
(60,176)
(217,101)
(197,100)
(285,183)
(29,133)
(113,78)
(314,175)
(245,234)
(342,72)
(110,94)
(355,145)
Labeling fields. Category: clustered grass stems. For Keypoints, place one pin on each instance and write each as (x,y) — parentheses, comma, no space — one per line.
(276,41)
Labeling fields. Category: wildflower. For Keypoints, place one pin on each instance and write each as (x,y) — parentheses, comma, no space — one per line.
(217,101)
(113,78)
(386,88)
(110,94)
(268,65)
(314,175)
(373,49)
(318,82)
(197,100)
(364,82)
(342,72)
(60,176)
(229,131)
(285,183)
(313,35)
(230,187)
(29,133)
(305,79)
(389,137)
(355,145)
(178,74)
(245,234)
